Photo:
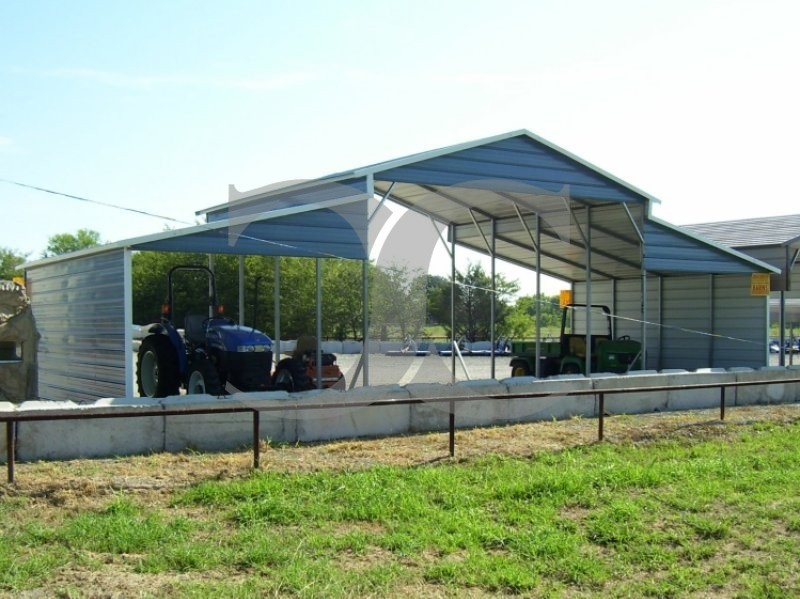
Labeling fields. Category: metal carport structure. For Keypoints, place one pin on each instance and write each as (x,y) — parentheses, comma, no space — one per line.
(520,198)
(514,196)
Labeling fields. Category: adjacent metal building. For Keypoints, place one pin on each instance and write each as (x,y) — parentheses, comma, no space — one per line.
(776,241)
(514,197)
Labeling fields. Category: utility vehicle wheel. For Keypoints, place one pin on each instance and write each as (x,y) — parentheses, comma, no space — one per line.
(520,369)
(570,368)
(157,367)
(203,378)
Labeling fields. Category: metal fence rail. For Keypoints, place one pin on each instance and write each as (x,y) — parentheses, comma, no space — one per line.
(11,419)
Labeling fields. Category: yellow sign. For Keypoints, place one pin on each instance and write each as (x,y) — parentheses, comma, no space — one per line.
(565,298)
(19,281)
(759,284)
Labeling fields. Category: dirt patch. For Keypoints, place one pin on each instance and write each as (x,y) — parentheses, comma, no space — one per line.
(78,484)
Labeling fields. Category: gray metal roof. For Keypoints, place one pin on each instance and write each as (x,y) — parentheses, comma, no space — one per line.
(517,182)
(752,232)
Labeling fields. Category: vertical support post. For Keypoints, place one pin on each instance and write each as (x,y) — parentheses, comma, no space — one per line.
(127,277)
(722,403)
(241,318)
(211,290)
(643,309)
(276,294)
(601,408)
(538,367)
(782,334)
(453,303)
(11,448)
(256,439)
(452,428)
(589,332)
(493,302)
(319,323)
(365,344)
(711,315)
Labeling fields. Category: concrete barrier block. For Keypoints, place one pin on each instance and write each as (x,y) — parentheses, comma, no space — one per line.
(331,347)
(435,416)
(429,416)
(345,423)
(774,392)
(694,399)
(125,402)
(481,412)
(548,399)
(6,407)
(513,382)
(213,432)
(351,347)
(274,425)
(634,402)
(97,437)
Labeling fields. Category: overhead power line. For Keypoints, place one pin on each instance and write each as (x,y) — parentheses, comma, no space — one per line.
(107,204)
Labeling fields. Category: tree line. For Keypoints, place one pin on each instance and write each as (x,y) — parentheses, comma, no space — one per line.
(401,302)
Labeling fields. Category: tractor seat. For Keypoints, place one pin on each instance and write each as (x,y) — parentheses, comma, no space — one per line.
(306,344)
(193,328)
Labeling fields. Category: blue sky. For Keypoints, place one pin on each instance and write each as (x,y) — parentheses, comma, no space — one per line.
(159,106)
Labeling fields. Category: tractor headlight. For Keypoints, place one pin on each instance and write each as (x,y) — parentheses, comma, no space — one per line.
(252,348)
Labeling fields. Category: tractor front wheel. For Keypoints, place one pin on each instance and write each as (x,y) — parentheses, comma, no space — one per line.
(157,367)
(203,378)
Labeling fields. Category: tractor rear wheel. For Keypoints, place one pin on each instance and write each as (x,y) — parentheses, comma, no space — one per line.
(203,378)
(157,367)
(290,375)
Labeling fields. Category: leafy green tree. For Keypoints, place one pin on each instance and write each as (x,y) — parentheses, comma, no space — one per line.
(521,320)
(342,299)
(398,301)
(9,263)
(473,293)
(63,243)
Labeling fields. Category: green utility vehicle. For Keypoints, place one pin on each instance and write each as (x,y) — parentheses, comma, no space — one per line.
(567,355)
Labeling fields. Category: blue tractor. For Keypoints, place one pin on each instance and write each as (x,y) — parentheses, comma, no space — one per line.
(212,352)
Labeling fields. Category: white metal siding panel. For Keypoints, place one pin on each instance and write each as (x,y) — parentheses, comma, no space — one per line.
(628,308)
(686,322)
(740,324)
(652,317)
(79,307)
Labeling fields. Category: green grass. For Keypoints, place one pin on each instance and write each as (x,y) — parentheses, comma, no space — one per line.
(665,519)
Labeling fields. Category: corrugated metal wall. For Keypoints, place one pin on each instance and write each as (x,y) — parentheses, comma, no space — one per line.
(80,312)
(695,321)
